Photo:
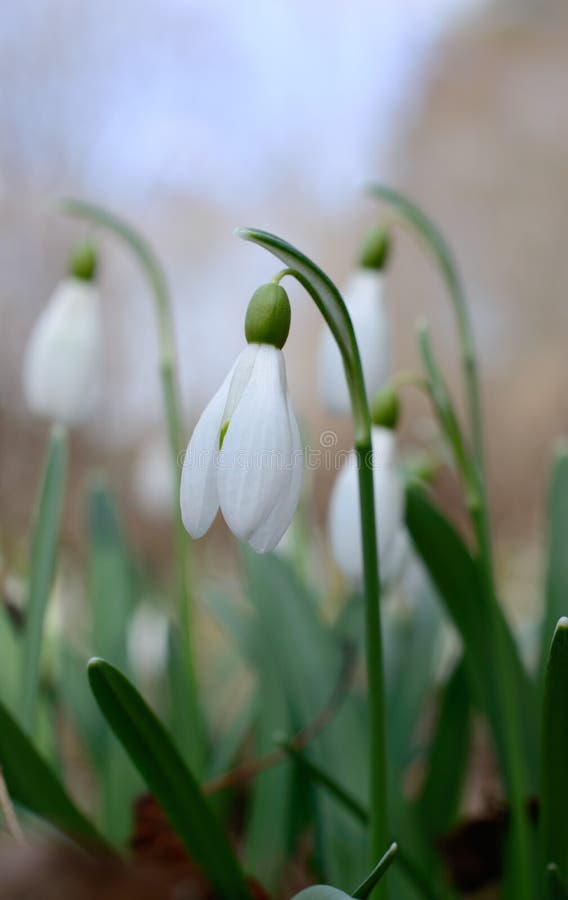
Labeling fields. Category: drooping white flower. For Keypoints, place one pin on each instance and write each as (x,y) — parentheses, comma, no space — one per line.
(344,517)
(245,455)
(364,300)
(63,357)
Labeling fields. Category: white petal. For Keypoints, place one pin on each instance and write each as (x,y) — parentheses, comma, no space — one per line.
(198,496)
(63,358)
(269,534)
(258,441)
(344,521)
(364,300)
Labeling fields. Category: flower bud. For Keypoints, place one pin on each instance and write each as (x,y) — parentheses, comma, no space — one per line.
(83,263)
(375,250)
(63,357)
(385,408)
(268,316)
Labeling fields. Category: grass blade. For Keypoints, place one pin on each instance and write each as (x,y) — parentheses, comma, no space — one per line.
(557,567)
(554,784)
(32,783)
(440,798)
(40,574)
(365,888)
(155,756)
(456,576)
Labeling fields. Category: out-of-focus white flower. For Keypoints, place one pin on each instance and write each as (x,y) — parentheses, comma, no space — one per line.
(152,484)
(147,641)
(364,299)
(63,358)
(344,517)
(245,455)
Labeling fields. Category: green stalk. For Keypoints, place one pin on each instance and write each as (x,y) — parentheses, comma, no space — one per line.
(168,375)
(332,307)
(374,650)
(41,567)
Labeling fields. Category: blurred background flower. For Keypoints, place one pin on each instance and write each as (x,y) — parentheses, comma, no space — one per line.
(190,118)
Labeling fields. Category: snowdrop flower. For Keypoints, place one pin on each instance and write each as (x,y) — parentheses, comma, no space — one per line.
(63,358)
(245,454)
(364,300)
(343,520)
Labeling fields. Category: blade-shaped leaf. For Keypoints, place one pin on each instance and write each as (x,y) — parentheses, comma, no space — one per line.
(456,576)
(557,569)
(554,784)
(447,758)
(365,888)
(155,756)
(308,659)
(32,783)
(40,570)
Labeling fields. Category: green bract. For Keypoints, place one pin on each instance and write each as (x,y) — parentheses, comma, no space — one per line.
(385,409)
(83,262)
(376,249)
(268,316)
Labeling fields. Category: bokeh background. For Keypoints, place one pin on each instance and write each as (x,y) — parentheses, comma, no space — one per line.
(192,117)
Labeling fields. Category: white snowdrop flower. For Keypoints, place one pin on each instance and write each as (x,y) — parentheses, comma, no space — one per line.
(344,513)
(63,357)
(363,297)
(245,455)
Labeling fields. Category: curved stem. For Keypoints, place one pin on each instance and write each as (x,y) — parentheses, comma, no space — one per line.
(378,781)
(168,376)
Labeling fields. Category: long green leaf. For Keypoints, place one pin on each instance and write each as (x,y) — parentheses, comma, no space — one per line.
(365,888)
(32,782)
(447,759)
(40,571)
(554,783)
(457,578)
(557,569)
(308,659)
(155,756)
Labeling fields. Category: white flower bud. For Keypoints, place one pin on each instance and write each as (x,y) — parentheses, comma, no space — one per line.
(63,358)
(344,522)
(364,300)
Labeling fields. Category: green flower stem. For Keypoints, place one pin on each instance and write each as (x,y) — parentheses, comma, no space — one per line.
(168,375)
(332,307)
(374,649)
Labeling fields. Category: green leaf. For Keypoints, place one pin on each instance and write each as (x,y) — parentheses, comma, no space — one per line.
(308,658)
(155,756)
(40,571)
(557,569)
(365,888)
(32,783)
(111,585)
(457,578)
(267,847)
(439,800)
(554,783)
(556,885)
